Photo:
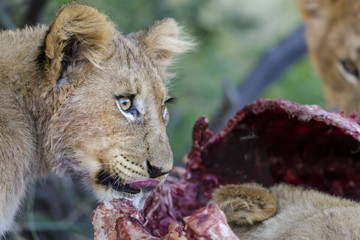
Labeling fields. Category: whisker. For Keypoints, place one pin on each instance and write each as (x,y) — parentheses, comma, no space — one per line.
(110,176)
(117,179)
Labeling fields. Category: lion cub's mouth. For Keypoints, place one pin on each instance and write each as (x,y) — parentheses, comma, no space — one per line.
(132,187)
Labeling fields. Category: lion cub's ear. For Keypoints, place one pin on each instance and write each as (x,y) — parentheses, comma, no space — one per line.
(314,11)
(78,33)
(315,14)
(163,41)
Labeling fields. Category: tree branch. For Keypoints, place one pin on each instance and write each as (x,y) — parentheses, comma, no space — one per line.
(269,68)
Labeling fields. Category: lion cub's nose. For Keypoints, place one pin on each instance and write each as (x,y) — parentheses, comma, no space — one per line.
(153,171)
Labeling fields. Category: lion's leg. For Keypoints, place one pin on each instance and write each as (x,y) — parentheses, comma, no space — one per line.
(245,203)
(288,195)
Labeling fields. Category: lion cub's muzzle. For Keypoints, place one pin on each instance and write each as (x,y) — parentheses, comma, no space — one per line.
(153,171)
(133,187)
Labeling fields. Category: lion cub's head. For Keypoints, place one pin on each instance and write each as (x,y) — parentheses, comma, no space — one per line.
(333,37)
(108,96)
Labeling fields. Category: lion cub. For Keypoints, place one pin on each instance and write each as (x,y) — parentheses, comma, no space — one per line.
(333,40)
(287,212)
(81,97)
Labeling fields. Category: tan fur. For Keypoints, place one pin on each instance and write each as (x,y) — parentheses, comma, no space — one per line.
(58,106)
(333,35)
(246,203)
(301,214)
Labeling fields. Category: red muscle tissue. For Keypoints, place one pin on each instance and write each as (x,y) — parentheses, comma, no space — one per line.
(269,141)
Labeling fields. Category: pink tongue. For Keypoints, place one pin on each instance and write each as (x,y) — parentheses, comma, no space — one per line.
(144,183)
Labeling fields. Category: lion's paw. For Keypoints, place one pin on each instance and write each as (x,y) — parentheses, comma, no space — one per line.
(245,203)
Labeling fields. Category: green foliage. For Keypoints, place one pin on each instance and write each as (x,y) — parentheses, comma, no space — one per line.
(300,84)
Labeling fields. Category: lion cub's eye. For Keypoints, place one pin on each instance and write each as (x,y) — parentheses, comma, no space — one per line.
(124,103)
(350,67)
(163,111)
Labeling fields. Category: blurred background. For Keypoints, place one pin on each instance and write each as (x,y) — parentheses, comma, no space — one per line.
(246,49)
